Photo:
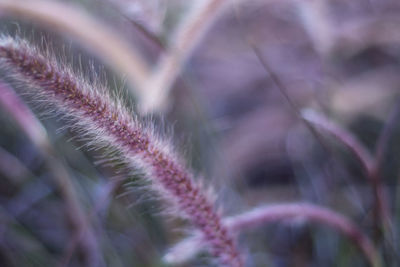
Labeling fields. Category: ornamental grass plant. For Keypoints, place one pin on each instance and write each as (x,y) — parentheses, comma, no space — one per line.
(199,133)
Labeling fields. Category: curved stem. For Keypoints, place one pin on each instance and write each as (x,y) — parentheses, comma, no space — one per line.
(342,135)
(184,40)
(264,215)
(368,161)
(95,36)
(32,127)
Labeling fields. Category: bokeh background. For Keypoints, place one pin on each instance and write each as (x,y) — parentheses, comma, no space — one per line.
(235,126)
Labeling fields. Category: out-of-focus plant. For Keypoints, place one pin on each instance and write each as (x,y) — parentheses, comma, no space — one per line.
(130,145)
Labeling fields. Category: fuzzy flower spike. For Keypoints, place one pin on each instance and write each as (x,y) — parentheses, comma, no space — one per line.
(98,116)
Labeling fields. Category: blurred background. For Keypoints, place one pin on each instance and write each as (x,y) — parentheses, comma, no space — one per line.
(233,112)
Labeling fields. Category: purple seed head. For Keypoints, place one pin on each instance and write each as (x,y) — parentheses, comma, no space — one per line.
(106,121)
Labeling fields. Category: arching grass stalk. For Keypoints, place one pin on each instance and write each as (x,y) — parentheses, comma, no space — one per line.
(107,122)
(369,162)
(83,236)
(184,40)
(268,214)
(89,32)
